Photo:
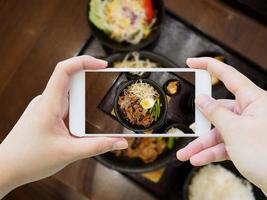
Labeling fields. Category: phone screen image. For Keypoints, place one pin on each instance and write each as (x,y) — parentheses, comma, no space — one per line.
(139,102)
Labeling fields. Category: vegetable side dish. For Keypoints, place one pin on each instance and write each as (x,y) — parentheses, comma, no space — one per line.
(140,104)
(123,20)
(173,87)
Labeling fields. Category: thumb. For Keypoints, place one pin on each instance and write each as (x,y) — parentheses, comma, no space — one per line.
(217,114)
(92,146)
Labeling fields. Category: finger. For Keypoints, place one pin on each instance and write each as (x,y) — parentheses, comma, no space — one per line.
(218,115)
(213,154)
(238,84)
(199,144)
(88,147)
(58,85)
(230,105)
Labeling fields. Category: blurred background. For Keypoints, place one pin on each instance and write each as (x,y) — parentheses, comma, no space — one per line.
(35,35)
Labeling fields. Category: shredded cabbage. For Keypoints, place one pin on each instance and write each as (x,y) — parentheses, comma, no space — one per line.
(142,90)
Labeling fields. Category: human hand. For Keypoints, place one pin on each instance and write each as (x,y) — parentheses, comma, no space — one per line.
(40,143)
(240,125)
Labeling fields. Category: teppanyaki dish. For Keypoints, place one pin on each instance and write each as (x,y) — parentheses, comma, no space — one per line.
(140,104)
(148,149)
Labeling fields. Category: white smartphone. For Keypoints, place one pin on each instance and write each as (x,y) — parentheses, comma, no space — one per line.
(138,102)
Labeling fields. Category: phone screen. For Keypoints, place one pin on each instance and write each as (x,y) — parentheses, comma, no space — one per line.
(140,102)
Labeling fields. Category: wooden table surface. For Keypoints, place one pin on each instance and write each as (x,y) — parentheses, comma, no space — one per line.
(35,35)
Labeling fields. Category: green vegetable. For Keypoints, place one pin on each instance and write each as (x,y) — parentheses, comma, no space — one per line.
(155,110)
(170,142)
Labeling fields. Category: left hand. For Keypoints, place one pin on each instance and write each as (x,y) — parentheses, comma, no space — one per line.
(40,143)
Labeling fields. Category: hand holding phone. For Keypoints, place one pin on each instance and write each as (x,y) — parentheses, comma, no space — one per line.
(39,145)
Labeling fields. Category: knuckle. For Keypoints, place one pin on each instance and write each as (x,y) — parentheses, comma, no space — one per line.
(103,145)
(212,109)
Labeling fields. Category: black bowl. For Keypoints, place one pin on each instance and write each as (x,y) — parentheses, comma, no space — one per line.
(166,85)
(124,46)
(136,165)
(258,194)
(137,128)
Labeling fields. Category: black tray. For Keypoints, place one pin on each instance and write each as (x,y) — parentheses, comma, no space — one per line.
(179,40)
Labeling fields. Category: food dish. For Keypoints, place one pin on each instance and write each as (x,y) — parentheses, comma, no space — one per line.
(133,60)
(172,87)
(125,25)
(223,171)
(216,182)
(147,149)
(123,20)
(140,105)
(143,58)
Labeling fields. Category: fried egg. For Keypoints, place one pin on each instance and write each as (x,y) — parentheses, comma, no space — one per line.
(147,103)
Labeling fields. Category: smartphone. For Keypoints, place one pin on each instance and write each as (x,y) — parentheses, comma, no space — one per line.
(138,102)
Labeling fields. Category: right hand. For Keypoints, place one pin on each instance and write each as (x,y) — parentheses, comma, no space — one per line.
(240,132)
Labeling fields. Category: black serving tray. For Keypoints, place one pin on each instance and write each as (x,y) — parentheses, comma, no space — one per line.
(179,40)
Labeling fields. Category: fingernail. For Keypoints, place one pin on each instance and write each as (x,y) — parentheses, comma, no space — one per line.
(188,59)
(181,156)
(203,101)
(103,62)
(121,144)
(179,153)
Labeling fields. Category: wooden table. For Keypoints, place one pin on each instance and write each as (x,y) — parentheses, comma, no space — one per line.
(35,35)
